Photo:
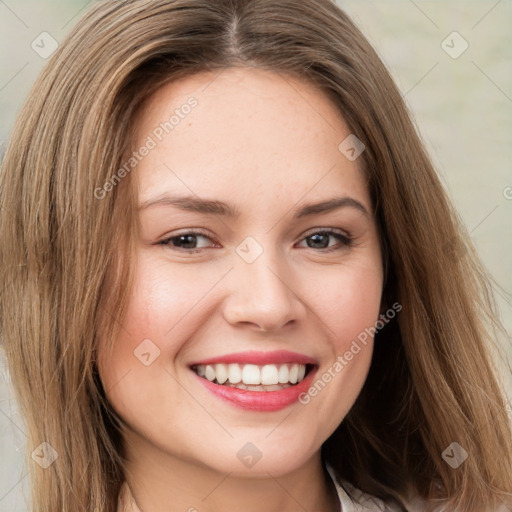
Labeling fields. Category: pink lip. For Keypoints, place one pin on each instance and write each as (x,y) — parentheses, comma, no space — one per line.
(259,358)
(262,401)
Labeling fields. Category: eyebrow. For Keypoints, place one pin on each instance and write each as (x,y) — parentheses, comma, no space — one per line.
(212,207)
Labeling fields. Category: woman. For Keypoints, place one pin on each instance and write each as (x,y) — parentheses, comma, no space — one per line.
(254,371)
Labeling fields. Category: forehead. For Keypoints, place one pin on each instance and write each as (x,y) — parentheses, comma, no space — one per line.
(250,132)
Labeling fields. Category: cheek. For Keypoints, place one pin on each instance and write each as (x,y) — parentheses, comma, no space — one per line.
(349,307)
(136,374)
(161,316)
(351,302)
(161,304)
(139,346)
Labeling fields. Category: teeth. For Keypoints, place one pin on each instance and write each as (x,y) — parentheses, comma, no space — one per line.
(269,374)
(221,373)
(209,372)
(283,374)
(249,376)
(234,372)
(294,373)
(259,388)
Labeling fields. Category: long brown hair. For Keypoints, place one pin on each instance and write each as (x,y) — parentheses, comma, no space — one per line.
(432,381)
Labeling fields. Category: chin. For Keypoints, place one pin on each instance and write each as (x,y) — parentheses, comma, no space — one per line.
(256,458)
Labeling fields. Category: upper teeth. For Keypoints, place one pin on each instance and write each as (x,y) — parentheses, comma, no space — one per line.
(252,374)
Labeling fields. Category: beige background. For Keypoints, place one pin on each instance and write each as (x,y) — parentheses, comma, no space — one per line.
(463,108)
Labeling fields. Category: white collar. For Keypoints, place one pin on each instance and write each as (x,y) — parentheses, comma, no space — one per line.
(361,501)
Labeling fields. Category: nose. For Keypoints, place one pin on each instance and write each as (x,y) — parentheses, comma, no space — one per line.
(264,294)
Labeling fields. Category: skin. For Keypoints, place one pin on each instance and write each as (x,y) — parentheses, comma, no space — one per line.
(268,144)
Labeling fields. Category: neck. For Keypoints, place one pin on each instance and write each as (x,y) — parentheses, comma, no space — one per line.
(161,482)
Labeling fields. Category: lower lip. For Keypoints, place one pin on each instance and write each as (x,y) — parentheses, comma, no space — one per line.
(259,400)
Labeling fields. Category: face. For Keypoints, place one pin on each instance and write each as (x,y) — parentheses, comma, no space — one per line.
(238,276)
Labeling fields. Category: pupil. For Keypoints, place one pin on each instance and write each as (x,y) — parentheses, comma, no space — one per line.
(189,237)
(315,239)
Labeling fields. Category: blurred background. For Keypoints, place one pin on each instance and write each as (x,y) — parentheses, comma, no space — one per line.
(451,59)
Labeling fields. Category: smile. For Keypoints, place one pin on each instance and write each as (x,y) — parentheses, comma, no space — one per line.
(293,379)
(252,377)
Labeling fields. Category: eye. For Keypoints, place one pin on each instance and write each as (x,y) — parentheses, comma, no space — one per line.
(320,240)
(186,241)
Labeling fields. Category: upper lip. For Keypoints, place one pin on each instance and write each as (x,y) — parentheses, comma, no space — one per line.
(259,358)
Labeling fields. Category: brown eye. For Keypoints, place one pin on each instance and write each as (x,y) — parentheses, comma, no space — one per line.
(185,241)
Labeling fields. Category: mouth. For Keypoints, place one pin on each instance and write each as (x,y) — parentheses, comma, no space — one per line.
(252,377)
(257,380)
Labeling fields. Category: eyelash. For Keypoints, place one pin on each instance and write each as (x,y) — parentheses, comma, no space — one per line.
(345,239)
